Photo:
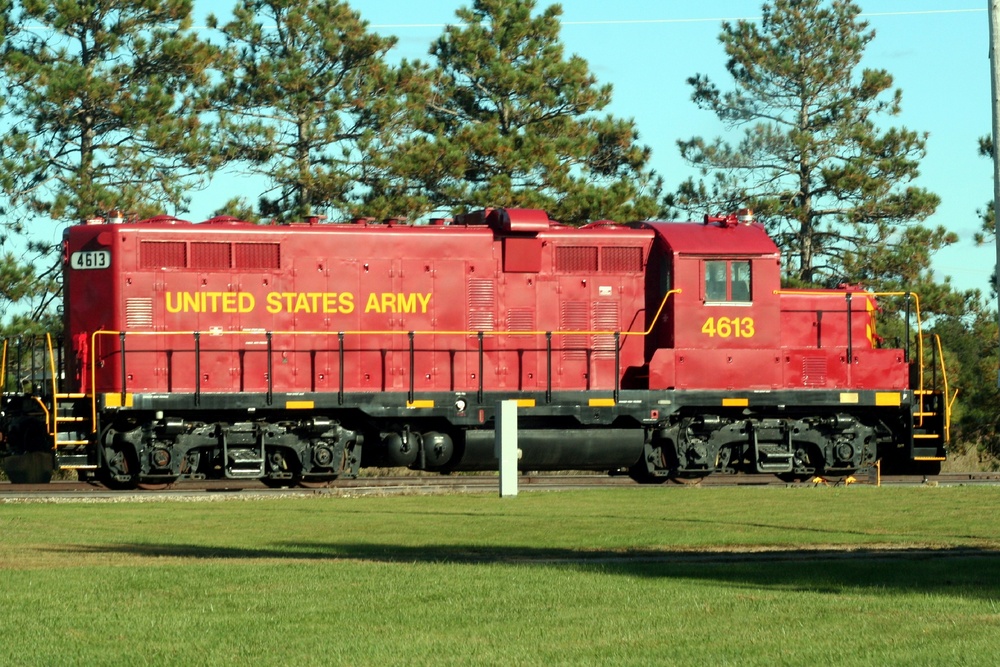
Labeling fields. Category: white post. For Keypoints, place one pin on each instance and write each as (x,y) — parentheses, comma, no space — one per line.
(505,446)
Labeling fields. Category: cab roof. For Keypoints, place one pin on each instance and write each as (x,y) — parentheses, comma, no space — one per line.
(691,238)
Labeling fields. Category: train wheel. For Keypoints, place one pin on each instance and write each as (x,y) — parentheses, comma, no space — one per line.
(315,483)
(687,479)
(155,486)
(642,475)
(29,468)
(297,481)
(118,472)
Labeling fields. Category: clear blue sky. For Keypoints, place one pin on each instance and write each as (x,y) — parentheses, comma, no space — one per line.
(937,51)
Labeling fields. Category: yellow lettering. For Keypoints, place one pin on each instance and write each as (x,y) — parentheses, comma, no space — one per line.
(278,302)
(314,298)
(407,303)
(246,303)
(210,297)
(173,307)
(725,327)
(346,303)
(209,302)
(330,302)
(389,303)
(190,303)
(273,302)
(301,303)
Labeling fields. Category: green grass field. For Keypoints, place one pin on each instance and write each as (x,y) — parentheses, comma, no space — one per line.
(747,576)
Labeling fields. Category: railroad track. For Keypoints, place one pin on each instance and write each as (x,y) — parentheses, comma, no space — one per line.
(427,484)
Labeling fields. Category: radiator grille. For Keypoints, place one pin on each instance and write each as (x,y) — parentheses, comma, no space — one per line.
(162,255)
(621,260)
(576,259)
(257,255)
(210,255)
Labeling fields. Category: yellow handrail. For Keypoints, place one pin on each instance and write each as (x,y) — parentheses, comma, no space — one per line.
(948,401)
(51,421)
(356,332)
(916,302)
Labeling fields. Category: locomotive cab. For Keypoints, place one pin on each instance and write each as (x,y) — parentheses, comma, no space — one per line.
(727,309)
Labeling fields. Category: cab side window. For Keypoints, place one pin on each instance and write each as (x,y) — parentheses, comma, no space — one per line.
(727,281)
(739,285)
(715,281)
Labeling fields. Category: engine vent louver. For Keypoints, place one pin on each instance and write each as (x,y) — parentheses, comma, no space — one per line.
(482,305)
(573,316)
(139,312)
(605,319)
(814,371)
(520,319)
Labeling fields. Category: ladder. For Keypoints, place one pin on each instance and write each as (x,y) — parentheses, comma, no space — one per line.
(71,427)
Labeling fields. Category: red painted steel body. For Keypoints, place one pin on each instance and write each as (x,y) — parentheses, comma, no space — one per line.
(305,284)
(512,276)
(298,353)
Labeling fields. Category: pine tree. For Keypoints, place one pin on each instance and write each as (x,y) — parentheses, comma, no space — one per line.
(512,121)
(309,101)
(101,107)
(815,160)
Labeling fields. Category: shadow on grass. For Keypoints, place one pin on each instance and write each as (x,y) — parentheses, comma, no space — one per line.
(966,571)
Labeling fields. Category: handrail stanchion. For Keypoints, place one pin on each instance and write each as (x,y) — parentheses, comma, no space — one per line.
(197,368)
(934,367)
(850,332)
(121,342)
(340,370)
(53,425)
(908,301)
(479,393)
(3,369)
(60,365)
(270,367)
(548,366)
(618,362)
(412,366)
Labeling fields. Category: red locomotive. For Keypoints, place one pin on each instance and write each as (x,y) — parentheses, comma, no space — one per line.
(297,353)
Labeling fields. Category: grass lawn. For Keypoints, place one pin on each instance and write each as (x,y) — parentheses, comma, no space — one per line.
(747,576)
